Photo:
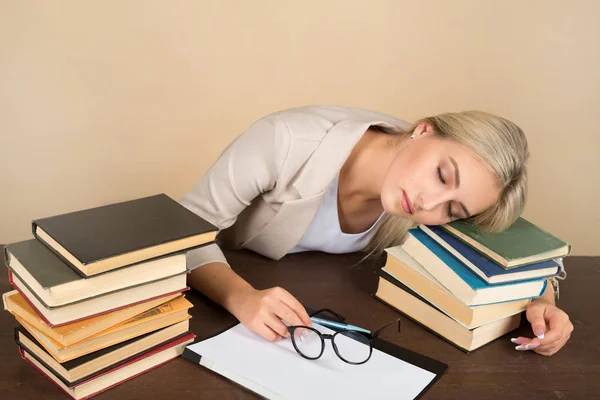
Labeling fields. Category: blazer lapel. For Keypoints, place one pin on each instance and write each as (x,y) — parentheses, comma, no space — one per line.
(327,160)
(293,218)
(286,228)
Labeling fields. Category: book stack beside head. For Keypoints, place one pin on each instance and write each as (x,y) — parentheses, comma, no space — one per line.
(467,286)
(99,293)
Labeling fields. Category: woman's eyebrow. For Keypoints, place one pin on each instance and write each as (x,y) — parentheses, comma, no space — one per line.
(456,172)
(457,184)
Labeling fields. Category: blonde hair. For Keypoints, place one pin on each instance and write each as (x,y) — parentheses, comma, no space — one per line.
(501,146)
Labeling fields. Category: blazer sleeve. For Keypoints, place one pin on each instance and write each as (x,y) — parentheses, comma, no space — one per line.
(248,167)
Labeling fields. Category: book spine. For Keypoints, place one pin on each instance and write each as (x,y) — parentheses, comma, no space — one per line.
(16,334)
(34,226)
(6,256)
(10,279)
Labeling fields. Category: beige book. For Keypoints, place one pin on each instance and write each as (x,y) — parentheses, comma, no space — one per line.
(70,334)
(56,316)
(101,360)
(440,323)
(162,316)
(106,381)
(403,268)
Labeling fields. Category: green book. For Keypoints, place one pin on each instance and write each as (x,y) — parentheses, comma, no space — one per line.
(520,244)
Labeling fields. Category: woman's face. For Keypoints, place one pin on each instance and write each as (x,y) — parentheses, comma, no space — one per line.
(434,181)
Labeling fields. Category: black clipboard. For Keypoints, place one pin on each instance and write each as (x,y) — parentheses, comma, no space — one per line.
(431,365)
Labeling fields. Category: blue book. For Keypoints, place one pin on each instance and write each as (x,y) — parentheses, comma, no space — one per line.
(459,279)
(487,269)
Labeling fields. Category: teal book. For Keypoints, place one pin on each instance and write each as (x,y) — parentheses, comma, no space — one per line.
(487,269)
(520,244)
(459,279)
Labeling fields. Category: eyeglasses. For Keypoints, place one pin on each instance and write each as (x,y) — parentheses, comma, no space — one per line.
(351,346)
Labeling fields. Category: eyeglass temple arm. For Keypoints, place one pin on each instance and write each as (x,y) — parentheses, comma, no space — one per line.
(378,331)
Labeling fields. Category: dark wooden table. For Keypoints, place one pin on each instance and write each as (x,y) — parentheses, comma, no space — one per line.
(495,371)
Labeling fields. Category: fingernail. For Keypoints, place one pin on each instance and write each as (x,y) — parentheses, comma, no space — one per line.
(514,340)
(539,332)
(528,346)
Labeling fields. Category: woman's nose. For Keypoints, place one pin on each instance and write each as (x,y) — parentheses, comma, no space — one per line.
(428,202)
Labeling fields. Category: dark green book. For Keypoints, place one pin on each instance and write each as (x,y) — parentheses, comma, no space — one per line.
(55,284)
(520,244)
(104,238)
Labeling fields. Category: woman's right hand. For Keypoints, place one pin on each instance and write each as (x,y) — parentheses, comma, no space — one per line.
(263,311)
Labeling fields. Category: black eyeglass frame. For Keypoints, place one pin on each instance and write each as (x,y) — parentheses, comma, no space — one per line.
(323,336)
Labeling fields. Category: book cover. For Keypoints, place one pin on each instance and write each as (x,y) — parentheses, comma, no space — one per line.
(419,310)
(483,266)
(405,271)
(459,279)
(139,292)
(132,229)
(102,383)
(57,284)
(520,244)
(59,316)
(162,316)
(70,366)
(70,334)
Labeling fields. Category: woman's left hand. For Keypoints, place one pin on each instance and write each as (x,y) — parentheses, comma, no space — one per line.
(550,324)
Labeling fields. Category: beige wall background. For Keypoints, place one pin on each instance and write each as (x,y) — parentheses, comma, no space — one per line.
(106,101)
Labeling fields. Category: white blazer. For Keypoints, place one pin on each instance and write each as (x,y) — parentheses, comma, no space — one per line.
(265,188)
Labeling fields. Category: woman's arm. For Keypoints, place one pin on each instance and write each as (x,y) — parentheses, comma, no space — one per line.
(550,325)
(247,168)
(259,310)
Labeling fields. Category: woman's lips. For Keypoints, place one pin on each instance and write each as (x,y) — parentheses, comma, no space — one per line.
(406,206)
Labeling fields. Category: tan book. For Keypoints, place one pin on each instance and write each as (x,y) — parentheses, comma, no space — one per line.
(114,377)
(439,323)
(404,270)
(94,364)
(159,317)
(56,316)
(70,334)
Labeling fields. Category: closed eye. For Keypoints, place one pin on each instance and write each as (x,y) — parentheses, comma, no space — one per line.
(439,172)
(450,215)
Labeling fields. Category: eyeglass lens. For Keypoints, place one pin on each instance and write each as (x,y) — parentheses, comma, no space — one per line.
(308,342)
(352,346)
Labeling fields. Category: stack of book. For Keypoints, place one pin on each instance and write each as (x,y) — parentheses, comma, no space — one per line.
(466,286)
(98,292)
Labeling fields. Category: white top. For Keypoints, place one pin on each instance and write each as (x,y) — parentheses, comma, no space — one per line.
(324,232)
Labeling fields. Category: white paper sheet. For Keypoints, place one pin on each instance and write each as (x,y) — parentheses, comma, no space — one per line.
(276,371)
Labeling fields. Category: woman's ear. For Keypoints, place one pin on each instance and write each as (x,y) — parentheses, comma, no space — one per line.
(423,128)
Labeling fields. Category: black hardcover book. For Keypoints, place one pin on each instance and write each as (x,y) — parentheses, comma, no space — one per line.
(72,365)
(100,239)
